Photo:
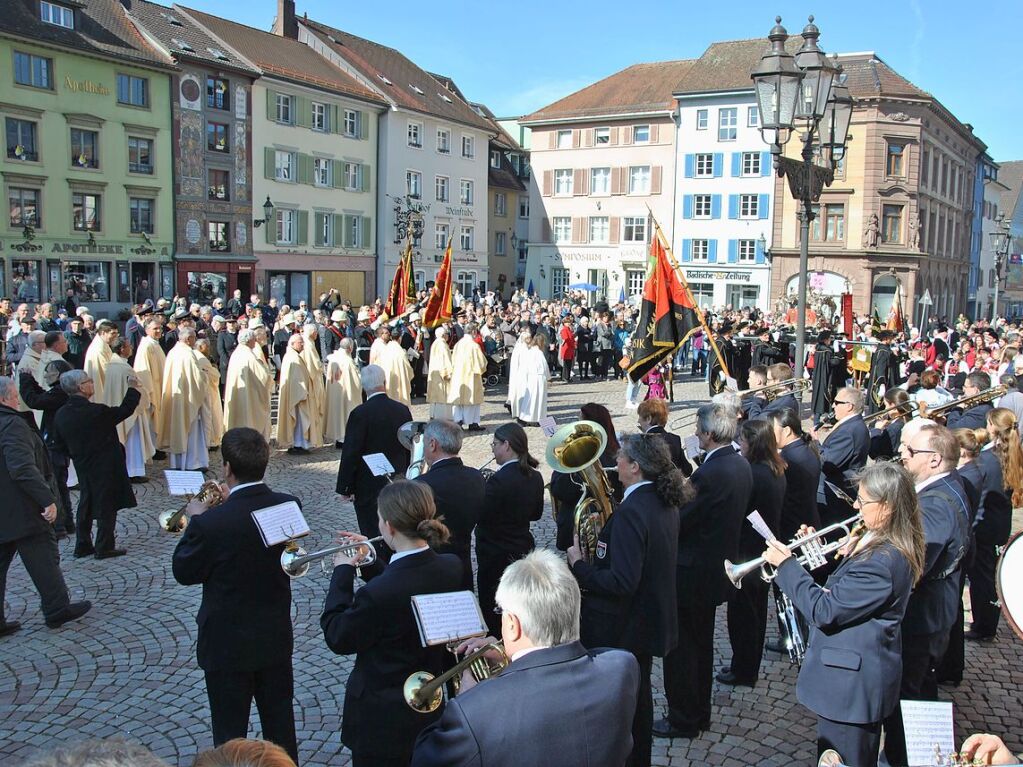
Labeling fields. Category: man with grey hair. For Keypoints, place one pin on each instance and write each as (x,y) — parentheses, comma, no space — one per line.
(844,451)
(248,386)
(465,390)
(26,527)
(581,703)
(108,752)
(458,490)
(372,428)
(344,389)
(709,527)
(182,431)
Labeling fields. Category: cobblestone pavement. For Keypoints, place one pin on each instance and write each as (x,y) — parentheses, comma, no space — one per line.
(129,666)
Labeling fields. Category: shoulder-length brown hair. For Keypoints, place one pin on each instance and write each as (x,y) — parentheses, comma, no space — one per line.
(763,447)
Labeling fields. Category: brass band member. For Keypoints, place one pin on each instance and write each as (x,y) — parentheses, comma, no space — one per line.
(653,417)
(844,450)
(778,373)
(854,642)
(513,499)
(377,625)
(630,587)
(886,433)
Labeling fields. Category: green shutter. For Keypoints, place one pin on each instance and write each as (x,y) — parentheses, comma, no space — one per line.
(270,228)
(301,111)
(318,229)
(269,157)
(335,119)
(337,174)
(302,235)
(305,169)
(363,127)
(271,105)
(364,177)
(339,230)
(346,224)
(367,232)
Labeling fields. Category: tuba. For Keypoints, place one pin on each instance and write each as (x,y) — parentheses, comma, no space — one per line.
(424,692)
(176,521)
(410,435)
(576,449)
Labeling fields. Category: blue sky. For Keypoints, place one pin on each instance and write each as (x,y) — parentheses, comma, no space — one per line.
(518,56)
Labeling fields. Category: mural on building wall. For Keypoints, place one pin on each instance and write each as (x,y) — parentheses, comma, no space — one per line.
(241,173)
(190,155)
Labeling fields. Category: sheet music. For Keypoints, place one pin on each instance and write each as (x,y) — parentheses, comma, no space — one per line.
(549,426)
(761,526)
(448,617)
(280,523)
(731,384)
(378,464)
(183,482)
(691,445)
(928,724)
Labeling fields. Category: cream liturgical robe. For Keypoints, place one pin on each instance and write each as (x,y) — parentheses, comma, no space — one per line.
(247,390)
(344,390)
(397,372)
(439,378)
(31,362)
(317,392)
(149,363)
(293,401)
(531,405)
(375,349)
(97,357)
(181,429)
(134,431)
(212,409)
(516,375)
(468,365)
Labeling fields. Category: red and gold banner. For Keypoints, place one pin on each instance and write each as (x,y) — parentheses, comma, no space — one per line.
(438,307)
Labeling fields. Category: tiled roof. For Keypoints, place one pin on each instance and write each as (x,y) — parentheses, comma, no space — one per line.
(398,78)
(185,39)
(504,177)
(636,89)
(869,77)
(726,66)
(449,84)
(283,57)
(1011,174)
(102,28)
(502,139)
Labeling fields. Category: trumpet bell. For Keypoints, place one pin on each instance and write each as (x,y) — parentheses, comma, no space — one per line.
(408,432)
(172,521)
(290,566)
(411,691)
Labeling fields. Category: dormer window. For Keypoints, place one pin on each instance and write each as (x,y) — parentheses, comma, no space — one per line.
(218,54)
(181,45)
(172,20)
(58,15)
(445,98)
(384,80)
(416,88)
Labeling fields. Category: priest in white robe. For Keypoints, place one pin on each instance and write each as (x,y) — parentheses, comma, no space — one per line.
(379,344)
(98,354)
(293,419)
(515,375)
(344,390)
(534,373)
(133,431)
(438,378)
(213,409)
(181,431)
(317,387)
(150,360)
(248,386)
(466,388)
(393,360)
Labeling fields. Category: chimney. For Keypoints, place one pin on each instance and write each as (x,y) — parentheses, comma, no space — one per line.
(285,24)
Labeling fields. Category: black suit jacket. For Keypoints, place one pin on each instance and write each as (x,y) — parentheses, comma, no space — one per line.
(372,428)
(27,483)
(629,590)
(674,443)
(226,344)
(376,623)
(974,418)
(767,497)
(884,443)
(709,525)
(853,662)
(994,516)
(762,409)
(245,616)
(458,492)
(802,475)
(512,500)
(843,455)
(579,714)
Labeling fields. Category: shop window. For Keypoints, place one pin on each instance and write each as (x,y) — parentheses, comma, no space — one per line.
(203,287)
(25,279)
(89,280)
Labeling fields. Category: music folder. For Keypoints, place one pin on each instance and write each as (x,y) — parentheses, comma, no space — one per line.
(447,617)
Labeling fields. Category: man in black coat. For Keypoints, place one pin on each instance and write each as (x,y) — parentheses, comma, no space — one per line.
(765,352)
(458,490)
(884,371)
(245,634)
(992,526)
(30,508)
(829,371)
(580,703)
(87,432)
(844,451)
(227,342)
(976,416)
(372,428)
(709,529)
(49,402)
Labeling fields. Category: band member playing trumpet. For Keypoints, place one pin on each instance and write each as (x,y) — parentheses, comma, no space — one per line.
(779,375)
(580,702)
(973,417)
(377,625)
(630,585)
(844,450)
(245,634)
(854,640)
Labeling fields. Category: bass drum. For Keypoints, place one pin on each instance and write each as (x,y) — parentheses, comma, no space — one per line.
(1009,582)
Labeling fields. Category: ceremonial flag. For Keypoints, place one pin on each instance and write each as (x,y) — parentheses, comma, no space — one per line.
(668,315)
(403,287)
(438,307)
(896,320)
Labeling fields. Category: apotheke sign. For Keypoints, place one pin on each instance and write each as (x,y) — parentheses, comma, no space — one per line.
(85,86)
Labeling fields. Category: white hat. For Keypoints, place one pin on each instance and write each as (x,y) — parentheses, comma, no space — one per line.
(414,317)
(363,315)
(338,316)
(256,324)
(288,319)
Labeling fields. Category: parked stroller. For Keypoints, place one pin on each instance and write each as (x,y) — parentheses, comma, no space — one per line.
(495,368)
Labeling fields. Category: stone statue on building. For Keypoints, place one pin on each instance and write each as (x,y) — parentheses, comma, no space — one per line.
(913,238)
(872,234)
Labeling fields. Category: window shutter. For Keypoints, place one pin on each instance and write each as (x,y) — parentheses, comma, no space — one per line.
(548,183)
(339,228)
(627,134)
(687,206)
(762,205)
(579,233)
(733,251)
(736,164)
(305,169)
(318,229)
(360,118)
(271,105)
(655,179)
(545,235)
(733,206)
(759,252)
(719,164)
(577,139)
(618,180)
(765,163)
(367,232)
(579,182)
(690,163)
(337,174)
(687,250)
(364,178)
(270,229)
(269,156)
(614,136)
(302,225)
(715,206)
(301,112)
(654,132)
(614,226)
(346,230)
(335,119)
(712,251)
(588,137)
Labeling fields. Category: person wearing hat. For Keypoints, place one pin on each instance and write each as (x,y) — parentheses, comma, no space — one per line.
(333,331)
(18,343)
(364,335)
(764,352)
(77,342)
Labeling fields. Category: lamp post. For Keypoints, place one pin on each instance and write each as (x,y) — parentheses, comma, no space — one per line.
(805,92)
(268,212)
(1000,240)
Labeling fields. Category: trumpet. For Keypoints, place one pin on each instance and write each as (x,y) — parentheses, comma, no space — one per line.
(813,553)
(964,402)
(778,389)
(295,561)
(893,412)
(424,692)
(176,521)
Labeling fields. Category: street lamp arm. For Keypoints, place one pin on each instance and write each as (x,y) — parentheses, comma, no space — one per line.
(806,180)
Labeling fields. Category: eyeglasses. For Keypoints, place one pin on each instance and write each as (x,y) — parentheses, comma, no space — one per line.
(861,503)
(841,402)
(913,451)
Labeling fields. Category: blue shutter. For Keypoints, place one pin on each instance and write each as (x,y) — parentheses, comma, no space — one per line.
(690,165)
(715,206)
(759,252)
(762,205)
(736,164)
(687,250)
(765,163)
(712,251)
(687,206)
(733,251)
(719,164)
(733,206)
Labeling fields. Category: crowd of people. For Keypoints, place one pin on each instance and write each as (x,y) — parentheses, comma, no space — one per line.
(883,622)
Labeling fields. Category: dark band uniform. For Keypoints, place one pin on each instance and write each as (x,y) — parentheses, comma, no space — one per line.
(567,491)
(245,634)
(973,418)
(885,443)
(674,443)
(559,705)
(458,492)
(802,477)
(843,455)
(376,623)
(991,528)
(760,408)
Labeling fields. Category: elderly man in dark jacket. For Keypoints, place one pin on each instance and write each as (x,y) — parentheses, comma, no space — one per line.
(28,513)
(87,432)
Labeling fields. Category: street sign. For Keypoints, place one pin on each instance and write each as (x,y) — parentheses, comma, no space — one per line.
(926,300)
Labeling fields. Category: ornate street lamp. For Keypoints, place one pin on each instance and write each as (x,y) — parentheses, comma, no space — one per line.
(268,212)
(1000,240)
(776,80)
(818,75)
